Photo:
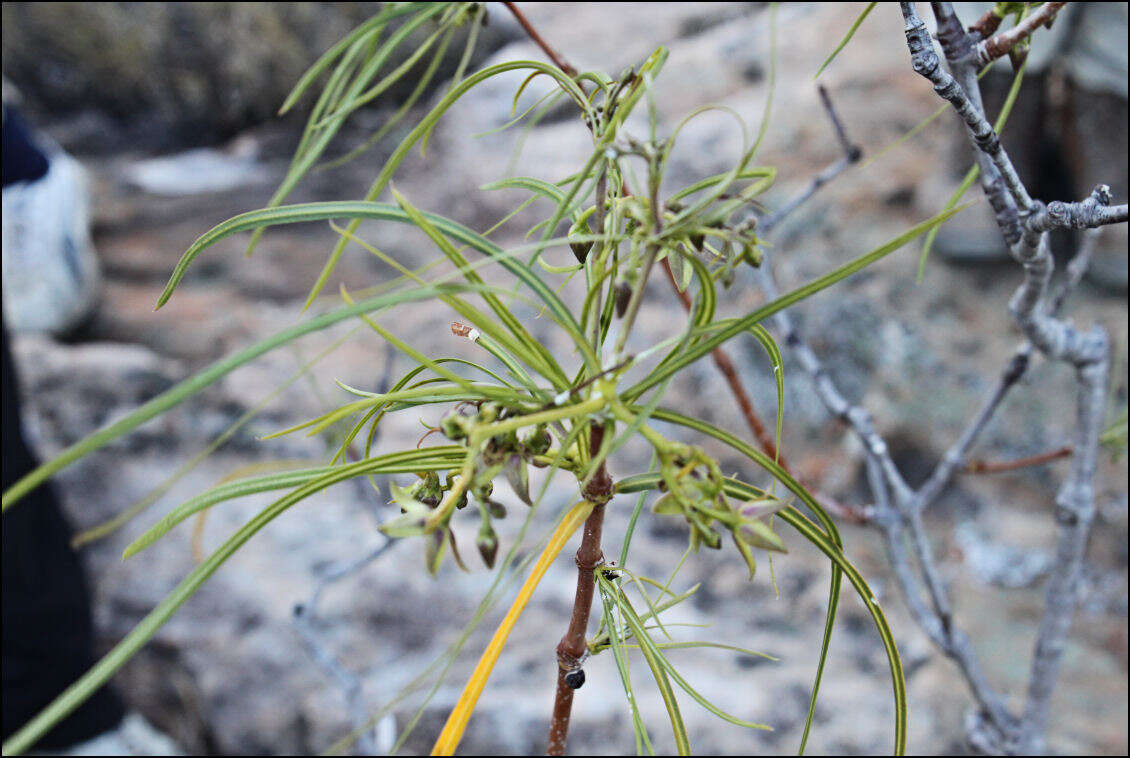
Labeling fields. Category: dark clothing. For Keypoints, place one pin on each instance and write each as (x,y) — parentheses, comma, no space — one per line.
(48,636)
(23,162)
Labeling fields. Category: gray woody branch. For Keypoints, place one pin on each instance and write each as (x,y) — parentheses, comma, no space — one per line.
(1024,223)
(1087,352)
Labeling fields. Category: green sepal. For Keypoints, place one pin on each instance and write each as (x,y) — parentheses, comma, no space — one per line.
(746,553)
(668,505)
(758,534)
(434,546)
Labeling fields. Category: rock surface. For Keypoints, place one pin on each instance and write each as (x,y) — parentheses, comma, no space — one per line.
(164,75)
(231,674)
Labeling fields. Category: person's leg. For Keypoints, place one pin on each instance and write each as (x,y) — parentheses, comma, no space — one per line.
(48,637)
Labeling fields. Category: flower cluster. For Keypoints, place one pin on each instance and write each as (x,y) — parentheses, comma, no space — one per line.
(694,490)
(507,454)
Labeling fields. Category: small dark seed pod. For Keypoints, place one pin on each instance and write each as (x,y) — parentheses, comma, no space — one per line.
(623,295)
(575,679)
(581,250)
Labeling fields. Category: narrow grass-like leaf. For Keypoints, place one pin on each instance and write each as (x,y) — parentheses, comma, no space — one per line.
(422,129)
(655,657)
(409,461)
(493,339)
(830,530)
(654,661)
(828,542)
(550,368)
(615,635)
(736,326)
(189,387)
(847,38)
(318,136)
(111,525)
(293,214)
(386,14)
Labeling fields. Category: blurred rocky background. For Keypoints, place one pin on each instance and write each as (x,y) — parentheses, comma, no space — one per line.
(170,108)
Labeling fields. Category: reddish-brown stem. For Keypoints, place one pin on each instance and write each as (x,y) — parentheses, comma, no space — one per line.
(571,649)
(1001,44)
(550,53)
(726,367)
(997,467)
(987,24)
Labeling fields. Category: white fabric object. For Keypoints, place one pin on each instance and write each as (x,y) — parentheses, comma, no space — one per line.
(51,277)
(195,172)
(134,736)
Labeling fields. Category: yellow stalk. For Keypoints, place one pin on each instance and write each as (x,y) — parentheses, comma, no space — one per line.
(457,722)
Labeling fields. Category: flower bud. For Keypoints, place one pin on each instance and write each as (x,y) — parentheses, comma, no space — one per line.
(487,543)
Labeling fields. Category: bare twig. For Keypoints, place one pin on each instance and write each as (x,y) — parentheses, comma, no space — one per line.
(998,467)
(1001,44)
(926,62)
(1014,371)
(1091,213)
(1034,309)
(851,151)
(986,25)
(852,154)
(898,508)
(538,40)
(571,649)
(305,621)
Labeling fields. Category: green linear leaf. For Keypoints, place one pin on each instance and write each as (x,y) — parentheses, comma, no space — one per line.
(112,524)
(189,387)
(318,136)
(847,38)
(621,660)
(324,211)
(828,541)
(422,129)
(733,327)
(409,461)
(386,14)
(655,662)
(547,363)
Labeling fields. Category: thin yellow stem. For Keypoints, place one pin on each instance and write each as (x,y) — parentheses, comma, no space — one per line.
(457,722)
